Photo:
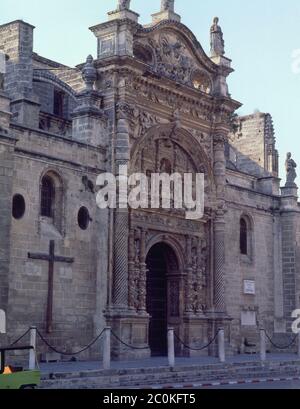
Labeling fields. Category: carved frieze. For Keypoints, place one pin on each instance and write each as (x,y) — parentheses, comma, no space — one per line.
(143,89)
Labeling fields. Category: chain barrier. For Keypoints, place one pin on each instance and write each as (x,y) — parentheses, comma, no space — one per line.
(21,337)
(127,345)
(278,346)
(69,353)
(196,349)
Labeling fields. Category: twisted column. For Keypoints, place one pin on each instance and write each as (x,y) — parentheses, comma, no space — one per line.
(219,245)
(219,223)
(131,270)
(120,288)
(143,273)
(189,278)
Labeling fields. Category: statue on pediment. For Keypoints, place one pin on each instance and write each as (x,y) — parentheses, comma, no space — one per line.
(123,4)
(217,45)
(167,5)
(290,166)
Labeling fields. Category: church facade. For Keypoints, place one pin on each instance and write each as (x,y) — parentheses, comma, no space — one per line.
(153,101)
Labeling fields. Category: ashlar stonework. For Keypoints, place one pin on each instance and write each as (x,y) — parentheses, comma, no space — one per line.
(153,100)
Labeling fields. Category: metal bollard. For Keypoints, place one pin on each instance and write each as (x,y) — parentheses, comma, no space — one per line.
(221,345)
(263,355)
(32,352)
(171,348)
(106,348)
(299,345)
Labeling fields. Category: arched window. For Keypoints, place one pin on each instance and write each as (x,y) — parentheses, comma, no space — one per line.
(244,237)
(47,196)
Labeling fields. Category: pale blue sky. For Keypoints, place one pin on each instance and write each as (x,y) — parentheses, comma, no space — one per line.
(260,38)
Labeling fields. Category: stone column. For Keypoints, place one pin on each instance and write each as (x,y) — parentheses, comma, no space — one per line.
(290,216)
(143,274)
(219,224)
(189,278)
(120,280)
(131,271)
(219,251)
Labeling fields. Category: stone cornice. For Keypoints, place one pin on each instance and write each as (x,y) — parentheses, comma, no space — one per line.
(41,155)
(111,23)
(100,149)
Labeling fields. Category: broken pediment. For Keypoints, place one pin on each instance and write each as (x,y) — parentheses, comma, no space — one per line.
(172,55)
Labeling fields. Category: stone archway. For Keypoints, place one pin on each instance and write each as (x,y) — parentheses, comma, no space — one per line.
(163,295)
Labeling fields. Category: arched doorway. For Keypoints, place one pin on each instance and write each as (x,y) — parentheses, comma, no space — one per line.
(163,300)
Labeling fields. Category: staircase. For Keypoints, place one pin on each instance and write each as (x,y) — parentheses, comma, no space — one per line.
(184,375)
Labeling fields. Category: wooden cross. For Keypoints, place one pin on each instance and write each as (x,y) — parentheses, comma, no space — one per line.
(51,258)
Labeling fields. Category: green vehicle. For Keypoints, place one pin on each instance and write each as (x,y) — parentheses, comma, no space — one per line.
(17,378)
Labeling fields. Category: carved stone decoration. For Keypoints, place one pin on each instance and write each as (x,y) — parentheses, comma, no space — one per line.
(123,5)
(131,271)
(143,273)
(174,298)
(139,121)
(195,109)
(172,60)
(89,73)
(137,270)
(124,110)
(291,175)
(196,275)
(167,5)
(217,45)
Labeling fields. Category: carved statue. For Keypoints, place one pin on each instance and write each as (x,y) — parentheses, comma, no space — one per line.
(291,174)
(123,4)
(167,5)
(217,45)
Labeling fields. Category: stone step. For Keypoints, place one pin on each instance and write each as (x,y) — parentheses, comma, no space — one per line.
(150,376)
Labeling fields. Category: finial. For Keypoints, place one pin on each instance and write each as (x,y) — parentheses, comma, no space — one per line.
(123,5)
(217,45)
(167,5)
(89,73)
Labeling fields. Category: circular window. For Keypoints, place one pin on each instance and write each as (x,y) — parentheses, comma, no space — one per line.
(83,218)
(18,207)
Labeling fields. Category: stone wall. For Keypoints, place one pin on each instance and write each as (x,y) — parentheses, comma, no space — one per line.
(254,145)
(79,289)
(257,267)
(6,174)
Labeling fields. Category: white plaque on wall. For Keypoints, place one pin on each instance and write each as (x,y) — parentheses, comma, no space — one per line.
(248,318)
(249,287)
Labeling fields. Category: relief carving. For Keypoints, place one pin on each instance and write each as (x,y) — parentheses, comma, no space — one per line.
(172,58)
(196,280)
